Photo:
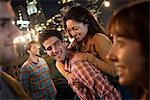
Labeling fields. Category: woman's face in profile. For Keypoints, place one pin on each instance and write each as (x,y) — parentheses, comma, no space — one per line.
(127,56)
(77,29)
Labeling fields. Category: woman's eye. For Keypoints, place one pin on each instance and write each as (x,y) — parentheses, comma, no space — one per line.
(76,28)
(120,44)
(69,31)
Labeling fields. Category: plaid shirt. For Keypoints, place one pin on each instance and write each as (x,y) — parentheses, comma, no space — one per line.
(90,83)
(35,77)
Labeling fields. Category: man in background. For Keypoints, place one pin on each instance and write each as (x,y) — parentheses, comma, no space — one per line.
(35,75)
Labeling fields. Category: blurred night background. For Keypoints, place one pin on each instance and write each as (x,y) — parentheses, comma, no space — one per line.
(34,16)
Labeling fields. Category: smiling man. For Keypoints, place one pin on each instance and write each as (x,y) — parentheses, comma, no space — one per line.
(88,82)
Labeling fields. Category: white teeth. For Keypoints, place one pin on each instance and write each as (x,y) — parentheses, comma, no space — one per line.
(57,56)
(71,39)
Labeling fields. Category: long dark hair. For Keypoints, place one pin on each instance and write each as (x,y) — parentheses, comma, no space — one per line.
(83,15)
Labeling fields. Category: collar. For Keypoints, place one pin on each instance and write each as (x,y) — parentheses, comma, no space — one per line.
(32,62)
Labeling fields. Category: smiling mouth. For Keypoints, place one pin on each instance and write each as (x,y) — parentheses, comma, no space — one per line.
(120,69)
(58,55)
(119,73)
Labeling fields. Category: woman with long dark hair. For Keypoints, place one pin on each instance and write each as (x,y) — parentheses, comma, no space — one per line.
(90,39)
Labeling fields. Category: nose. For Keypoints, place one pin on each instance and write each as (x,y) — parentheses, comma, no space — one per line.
(73,33)
(13,31)
(112,55)
(54,50)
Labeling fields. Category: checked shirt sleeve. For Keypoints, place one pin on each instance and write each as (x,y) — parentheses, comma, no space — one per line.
(95,81)
(25,77)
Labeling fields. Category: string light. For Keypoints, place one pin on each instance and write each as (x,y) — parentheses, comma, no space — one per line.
(106,3)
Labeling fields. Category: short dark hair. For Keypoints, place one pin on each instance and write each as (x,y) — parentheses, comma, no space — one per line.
(49,33)
(5,0)
(28,45)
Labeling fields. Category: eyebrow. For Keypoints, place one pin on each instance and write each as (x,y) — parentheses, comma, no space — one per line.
(8,18)
(5,19)
(77,25)
(53,44)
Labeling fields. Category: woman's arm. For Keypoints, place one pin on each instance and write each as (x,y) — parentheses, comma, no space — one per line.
(102,45)
(98,63)
(60,66)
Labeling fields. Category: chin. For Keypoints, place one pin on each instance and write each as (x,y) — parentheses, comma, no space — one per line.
(59,59)
(121,82)
(124,82)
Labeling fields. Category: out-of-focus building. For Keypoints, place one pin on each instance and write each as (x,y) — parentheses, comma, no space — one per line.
(35,15)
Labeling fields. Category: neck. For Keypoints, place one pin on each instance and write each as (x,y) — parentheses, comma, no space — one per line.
(146,91)
(145,84)
(145,95)
(34,58)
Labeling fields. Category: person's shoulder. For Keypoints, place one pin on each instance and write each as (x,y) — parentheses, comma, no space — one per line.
(76,58)
(15,86)
(101,38)
(41,59)
(25,64)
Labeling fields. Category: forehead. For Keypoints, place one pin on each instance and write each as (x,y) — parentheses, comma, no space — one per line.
(71,22)
(118,36)
(34,44)
(6,10)
(51,41)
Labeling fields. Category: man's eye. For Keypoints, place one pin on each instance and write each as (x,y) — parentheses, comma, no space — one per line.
(6,23)
(57,43)
(3,24)
(49,48)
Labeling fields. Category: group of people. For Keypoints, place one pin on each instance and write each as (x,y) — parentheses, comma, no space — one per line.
(92,61)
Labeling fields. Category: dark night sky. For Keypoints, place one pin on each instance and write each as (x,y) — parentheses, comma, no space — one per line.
(51,7)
